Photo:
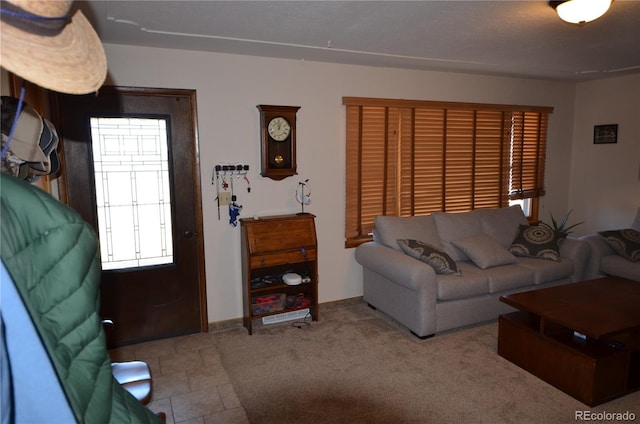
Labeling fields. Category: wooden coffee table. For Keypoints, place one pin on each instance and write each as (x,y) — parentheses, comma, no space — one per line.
(583,338)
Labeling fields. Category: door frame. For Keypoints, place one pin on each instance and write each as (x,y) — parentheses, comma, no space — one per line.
(195,171)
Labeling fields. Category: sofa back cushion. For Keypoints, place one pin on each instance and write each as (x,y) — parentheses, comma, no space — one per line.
(390,229)
(455,226)
(502,224)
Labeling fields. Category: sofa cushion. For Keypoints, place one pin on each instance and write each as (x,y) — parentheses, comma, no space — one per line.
(625,242)
(473,282)
(455,226)
(620,267)
(509,277)
(502,224)
(537,242)
(388,229)
(484,251)
(438,259)
(547,271)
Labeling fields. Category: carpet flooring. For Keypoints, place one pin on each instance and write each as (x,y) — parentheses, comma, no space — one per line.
(356,365)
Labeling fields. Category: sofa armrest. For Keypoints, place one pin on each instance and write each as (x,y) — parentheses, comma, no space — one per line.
(396,266)
(598,248)
(578,251)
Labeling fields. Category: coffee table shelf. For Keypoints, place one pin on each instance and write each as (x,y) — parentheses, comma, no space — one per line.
(593,373)
(596,368)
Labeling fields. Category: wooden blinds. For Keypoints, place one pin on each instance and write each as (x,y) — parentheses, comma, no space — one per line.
(407,158)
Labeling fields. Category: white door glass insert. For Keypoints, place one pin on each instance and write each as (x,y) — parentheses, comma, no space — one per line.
(130,160)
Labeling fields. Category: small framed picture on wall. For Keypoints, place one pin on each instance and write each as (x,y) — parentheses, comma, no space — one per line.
(605,134)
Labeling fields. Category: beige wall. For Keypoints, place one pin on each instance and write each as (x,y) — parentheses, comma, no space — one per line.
(230,86)
(605,178)
(228,89)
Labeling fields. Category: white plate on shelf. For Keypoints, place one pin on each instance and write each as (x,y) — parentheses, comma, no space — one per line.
(292,279)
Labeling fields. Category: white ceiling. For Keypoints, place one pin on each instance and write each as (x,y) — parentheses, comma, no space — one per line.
(517,38)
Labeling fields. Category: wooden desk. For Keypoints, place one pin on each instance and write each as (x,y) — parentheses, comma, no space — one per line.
(272,246)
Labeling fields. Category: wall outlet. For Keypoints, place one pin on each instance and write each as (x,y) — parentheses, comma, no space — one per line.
(224,198)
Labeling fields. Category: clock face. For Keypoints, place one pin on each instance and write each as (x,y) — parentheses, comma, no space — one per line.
(279,128)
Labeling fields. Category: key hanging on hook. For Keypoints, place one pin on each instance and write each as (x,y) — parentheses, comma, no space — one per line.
(215,177)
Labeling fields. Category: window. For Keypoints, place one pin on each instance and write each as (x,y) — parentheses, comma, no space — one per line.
(132,191)
(407,158)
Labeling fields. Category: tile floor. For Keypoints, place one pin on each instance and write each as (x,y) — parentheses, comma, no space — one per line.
(190,385)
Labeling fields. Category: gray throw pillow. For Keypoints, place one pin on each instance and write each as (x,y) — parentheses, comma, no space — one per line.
(438,259)
(537,242)
(625,242)
(484,251)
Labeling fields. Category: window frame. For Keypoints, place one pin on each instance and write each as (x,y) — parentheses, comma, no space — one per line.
(453,147)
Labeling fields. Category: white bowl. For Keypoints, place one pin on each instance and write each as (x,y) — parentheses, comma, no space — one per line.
(292,279)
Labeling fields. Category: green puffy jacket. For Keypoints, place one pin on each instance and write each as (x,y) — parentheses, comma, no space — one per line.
(53,258)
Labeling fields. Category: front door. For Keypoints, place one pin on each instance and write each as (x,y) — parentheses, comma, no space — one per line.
(131,171)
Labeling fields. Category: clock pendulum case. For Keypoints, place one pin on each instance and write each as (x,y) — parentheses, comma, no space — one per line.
(278,141)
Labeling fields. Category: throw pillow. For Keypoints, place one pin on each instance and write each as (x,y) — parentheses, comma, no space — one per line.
(537,242)
(439,260)
(625,242)
(484,251)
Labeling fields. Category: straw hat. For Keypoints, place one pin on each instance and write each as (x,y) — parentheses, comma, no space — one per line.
(41,42)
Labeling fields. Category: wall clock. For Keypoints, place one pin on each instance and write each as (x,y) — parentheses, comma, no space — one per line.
(278,141)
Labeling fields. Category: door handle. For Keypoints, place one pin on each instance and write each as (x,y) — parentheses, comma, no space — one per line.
(189,234)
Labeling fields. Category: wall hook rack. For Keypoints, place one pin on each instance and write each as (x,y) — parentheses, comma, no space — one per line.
(223,175)
(229,170)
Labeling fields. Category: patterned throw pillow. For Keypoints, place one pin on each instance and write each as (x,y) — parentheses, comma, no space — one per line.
(537,242)
(439,260)
(625,242)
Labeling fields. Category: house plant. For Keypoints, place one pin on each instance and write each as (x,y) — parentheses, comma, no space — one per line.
(562,229)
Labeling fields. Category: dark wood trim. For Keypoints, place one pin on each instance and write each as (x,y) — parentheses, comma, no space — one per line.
(191,96)
(204,321)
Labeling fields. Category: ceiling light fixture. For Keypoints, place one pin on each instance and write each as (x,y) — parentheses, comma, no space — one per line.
(580,11)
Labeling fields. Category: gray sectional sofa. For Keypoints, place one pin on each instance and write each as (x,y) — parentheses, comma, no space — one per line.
(479,242)
(605,260)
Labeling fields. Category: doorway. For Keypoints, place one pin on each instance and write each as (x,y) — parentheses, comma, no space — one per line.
(131,170)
